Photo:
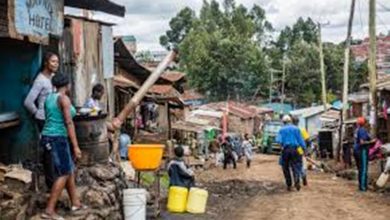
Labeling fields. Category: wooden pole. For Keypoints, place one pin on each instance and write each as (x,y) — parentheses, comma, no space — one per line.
(134,101)
(372,67)
(322,66)
(270,86)
(346,79)
(283,79)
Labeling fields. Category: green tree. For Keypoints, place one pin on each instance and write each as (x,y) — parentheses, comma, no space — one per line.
(144,56)
(180,26)
(221,53)
(299,44)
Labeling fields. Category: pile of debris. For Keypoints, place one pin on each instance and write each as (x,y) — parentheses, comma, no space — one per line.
(99,187)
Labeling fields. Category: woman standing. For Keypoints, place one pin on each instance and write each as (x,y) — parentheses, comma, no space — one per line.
(58,129)
(41,88)
(361,146)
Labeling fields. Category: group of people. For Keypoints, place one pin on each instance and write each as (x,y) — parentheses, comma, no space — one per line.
(49,103)
(293,141)
(233,149)
(180,174)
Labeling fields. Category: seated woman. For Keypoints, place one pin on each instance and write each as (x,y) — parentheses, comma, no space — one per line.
(179,173)
(57,132)
(94,101)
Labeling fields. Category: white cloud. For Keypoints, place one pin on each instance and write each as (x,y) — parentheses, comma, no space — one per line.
(148,19)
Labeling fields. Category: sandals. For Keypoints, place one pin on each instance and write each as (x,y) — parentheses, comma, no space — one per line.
(55,216)
(78,208)
(51,216)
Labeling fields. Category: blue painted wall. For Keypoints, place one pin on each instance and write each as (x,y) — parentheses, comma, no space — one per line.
(19,63)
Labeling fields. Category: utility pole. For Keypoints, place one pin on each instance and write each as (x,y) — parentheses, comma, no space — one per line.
(283,80)
(271,85)
(272,78)
(372,66)
(346,78)
(322,66)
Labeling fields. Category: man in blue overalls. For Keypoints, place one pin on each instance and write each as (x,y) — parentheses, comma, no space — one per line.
(360,151)
(290,138)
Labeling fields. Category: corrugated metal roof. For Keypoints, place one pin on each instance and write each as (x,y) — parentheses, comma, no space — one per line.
(210,113)
(331,115)
(191,95)
(238,109)
(359,97)
(187,126)
(172,76)
(124,82)
(261,110)
(307,112)
(162,89)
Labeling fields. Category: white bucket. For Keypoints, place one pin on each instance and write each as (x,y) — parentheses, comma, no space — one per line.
(387,166)
(134,204)
(381,182)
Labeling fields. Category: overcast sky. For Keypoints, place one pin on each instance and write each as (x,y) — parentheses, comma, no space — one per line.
(148,19)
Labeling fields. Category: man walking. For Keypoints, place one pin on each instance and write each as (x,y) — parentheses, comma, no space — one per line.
(290,138)
(305,135)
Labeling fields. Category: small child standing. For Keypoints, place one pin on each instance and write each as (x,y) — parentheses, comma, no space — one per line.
(247,148)
(228,153)
(178,171)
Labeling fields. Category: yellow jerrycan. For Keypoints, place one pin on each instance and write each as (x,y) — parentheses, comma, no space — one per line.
(177,199)
(197,201)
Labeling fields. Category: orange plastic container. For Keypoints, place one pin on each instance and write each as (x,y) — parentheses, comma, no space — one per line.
(145,157)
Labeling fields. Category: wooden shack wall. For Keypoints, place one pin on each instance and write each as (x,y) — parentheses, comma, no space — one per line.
(239,125)
(162,119)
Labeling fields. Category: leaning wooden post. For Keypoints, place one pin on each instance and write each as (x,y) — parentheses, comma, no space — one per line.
(135,100)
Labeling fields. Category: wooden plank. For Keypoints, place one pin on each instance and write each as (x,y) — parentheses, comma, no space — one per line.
(98,5)
(9,124)
(107,52)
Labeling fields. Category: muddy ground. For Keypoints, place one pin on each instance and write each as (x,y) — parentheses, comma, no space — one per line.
(259,193)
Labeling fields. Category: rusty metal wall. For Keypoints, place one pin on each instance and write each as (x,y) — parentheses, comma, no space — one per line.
(81,54)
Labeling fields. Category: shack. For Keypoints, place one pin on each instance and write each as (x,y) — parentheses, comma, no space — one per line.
(193,98)
(27,30)
(151,120)
(241,118)
(310,118)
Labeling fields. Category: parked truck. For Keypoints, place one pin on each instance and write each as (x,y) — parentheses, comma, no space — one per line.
(268,143)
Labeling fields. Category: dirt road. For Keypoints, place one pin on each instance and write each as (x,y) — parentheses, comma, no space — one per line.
(259,193)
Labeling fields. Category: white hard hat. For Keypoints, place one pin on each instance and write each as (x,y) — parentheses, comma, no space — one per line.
(286,118)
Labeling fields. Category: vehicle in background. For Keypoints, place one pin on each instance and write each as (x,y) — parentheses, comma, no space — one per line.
(268,143)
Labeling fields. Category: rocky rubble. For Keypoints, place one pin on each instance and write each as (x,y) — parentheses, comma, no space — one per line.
(99,187)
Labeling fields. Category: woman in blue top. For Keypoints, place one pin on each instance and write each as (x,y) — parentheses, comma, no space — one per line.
(58,129)
(360,149)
